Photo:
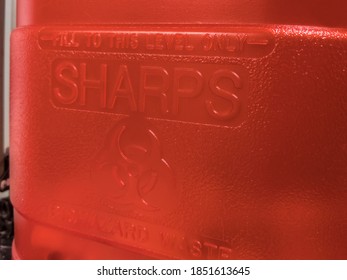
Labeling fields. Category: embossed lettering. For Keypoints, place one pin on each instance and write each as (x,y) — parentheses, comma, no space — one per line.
(211,250)
(201,94)
(99,84)
(106,224)
(140,235)
(224,42)
(67,94)
(157,89)
(94,40)
(224,253)
(124,41)
(196,249)
(193,89)
(225,94)
(123,88)
(66,39)
(169,41)
(193,247)
(233,42)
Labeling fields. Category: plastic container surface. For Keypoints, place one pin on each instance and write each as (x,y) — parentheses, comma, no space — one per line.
(176,130)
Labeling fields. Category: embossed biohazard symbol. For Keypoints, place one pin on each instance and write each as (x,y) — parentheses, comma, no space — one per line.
(131,168)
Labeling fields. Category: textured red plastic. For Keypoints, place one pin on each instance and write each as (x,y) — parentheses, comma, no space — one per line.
(179,130)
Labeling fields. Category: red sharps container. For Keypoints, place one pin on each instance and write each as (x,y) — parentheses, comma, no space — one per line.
(179,129)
